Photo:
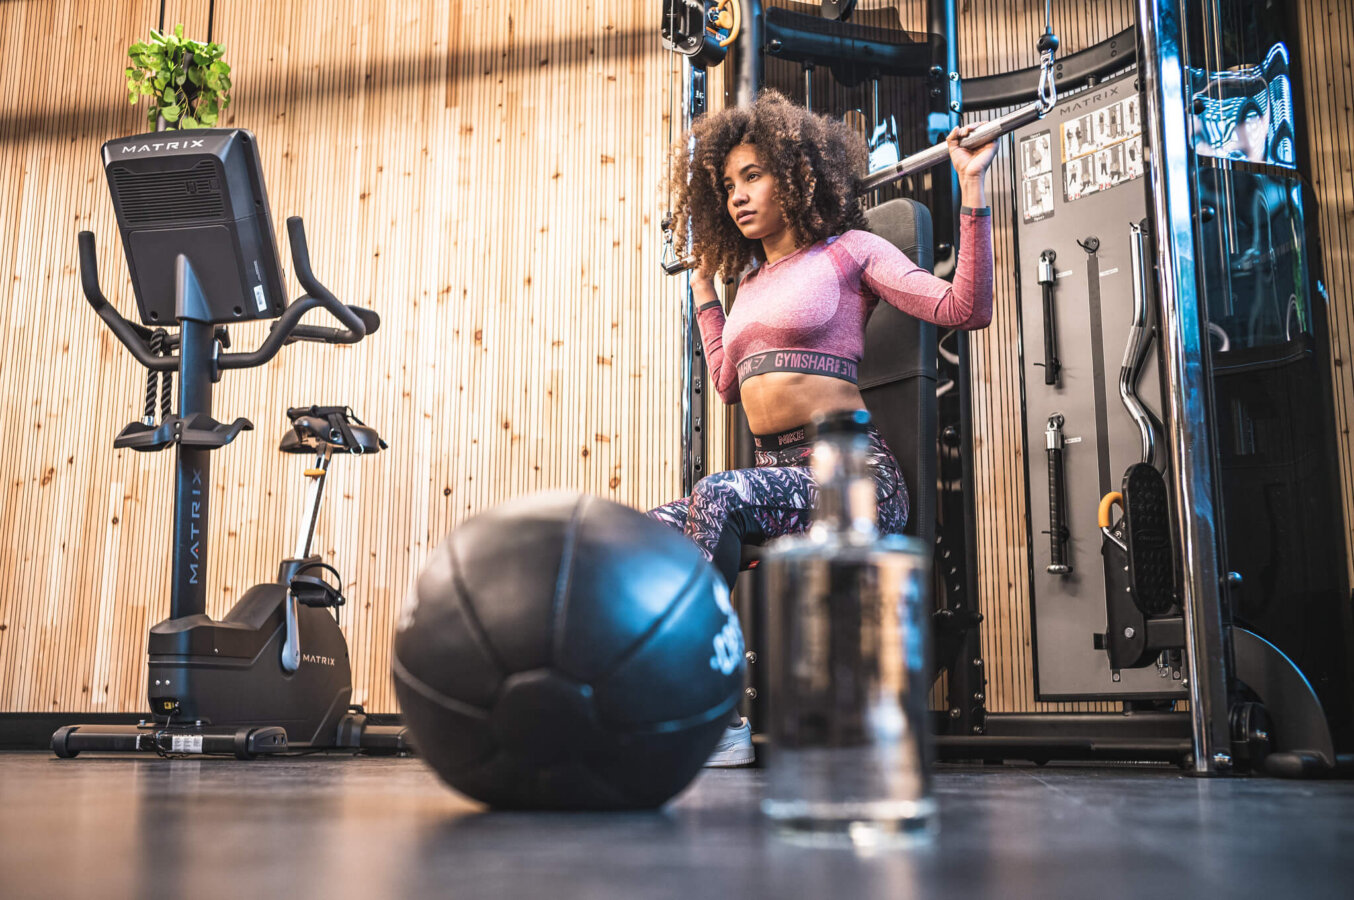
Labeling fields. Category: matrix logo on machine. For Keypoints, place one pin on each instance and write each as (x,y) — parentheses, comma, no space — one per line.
(163,145)
(318,660)
(728,641)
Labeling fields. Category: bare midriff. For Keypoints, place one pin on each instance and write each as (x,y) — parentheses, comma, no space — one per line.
(777,401)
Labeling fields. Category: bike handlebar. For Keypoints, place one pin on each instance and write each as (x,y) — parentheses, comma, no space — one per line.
(300,256)
(134,337)
(357,322)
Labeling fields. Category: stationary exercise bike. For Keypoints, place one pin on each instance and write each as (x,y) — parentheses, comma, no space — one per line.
(273,676)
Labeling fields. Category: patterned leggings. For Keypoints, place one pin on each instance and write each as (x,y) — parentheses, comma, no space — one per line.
(727,509)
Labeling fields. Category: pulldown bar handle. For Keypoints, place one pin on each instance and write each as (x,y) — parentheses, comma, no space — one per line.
(925,159)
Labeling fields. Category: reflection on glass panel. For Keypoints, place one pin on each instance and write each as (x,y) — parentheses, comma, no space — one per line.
(1252,251)
(1246,112)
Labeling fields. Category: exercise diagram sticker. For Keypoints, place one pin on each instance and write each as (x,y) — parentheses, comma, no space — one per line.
(1101,149)
(1036,176)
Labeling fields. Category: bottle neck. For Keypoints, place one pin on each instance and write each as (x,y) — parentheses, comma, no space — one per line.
(846,507)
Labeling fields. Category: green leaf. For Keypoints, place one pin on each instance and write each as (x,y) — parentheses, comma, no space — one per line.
(171,112)
(180,76)
(189,122)
(195,76)
(178,31)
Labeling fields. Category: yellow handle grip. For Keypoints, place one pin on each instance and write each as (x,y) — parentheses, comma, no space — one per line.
(1106,502)
(730,17)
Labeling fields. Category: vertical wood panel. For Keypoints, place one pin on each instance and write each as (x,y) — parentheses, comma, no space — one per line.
(482,175)
(1326,32)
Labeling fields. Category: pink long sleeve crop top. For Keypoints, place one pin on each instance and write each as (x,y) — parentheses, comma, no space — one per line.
(806,312)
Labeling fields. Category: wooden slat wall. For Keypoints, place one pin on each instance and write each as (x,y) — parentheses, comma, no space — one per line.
(1326,30)
(483,175)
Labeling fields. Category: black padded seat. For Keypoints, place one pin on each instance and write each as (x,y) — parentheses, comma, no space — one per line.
(329,427)
(898,374)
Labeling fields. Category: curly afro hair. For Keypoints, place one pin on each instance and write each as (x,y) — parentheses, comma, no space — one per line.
(816,162)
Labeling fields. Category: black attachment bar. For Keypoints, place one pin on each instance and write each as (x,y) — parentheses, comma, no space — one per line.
(1052,367)
(1057,499)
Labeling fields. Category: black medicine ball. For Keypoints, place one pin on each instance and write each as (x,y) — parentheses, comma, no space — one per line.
(565,652)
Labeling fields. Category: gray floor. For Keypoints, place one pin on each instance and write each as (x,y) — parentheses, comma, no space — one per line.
(343,827)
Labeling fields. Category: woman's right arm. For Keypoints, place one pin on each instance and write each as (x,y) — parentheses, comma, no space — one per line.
(710,317)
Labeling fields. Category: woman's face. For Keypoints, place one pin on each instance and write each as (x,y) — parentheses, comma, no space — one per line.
(752,194)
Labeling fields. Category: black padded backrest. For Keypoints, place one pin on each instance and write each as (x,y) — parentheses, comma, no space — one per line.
(898,369)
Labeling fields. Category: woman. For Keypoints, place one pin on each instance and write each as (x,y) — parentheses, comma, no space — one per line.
(778,184)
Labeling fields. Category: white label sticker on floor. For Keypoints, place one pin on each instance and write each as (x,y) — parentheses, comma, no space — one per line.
(185,743)
(258,298)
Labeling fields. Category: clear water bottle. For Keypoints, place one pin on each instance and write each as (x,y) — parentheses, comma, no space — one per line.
(846,628)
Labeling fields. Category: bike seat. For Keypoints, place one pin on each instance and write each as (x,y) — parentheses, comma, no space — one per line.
(316,427)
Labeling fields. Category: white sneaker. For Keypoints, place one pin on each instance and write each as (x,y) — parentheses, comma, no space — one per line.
(734,748)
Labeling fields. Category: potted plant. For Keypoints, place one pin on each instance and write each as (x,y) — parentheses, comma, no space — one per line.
(187,81)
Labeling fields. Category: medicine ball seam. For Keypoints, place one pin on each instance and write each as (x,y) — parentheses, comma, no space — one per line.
(559,604)
(683,595)
(430,693)
(669,725)
(477,630)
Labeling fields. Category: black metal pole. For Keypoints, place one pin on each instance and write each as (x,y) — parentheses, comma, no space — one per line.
(966,702)
(192,481)
(750,73)
(1163,69)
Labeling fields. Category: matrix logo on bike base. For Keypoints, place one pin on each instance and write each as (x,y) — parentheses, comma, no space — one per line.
(195,532)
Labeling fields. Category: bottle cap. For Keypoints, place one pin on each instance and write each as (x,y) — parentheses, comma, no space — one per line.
(842,421)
